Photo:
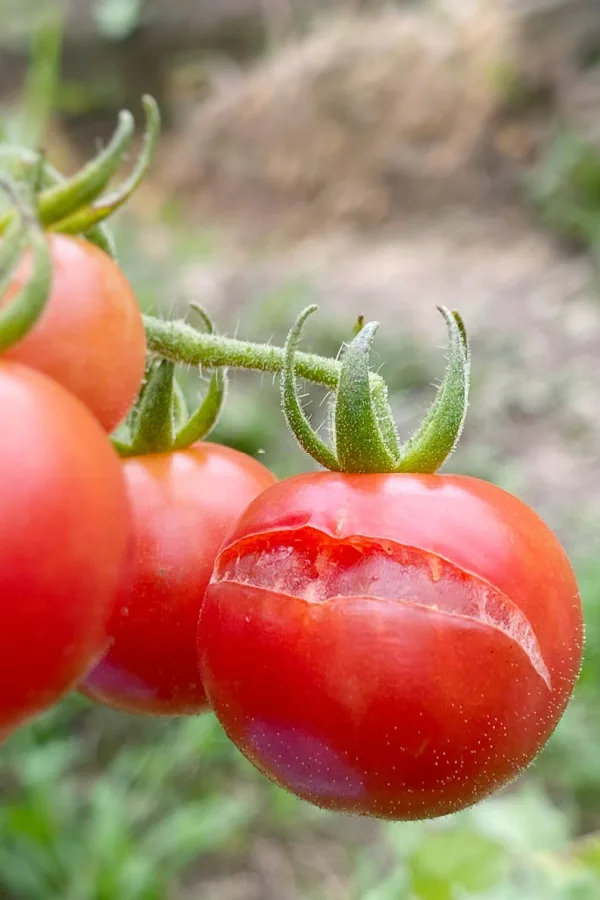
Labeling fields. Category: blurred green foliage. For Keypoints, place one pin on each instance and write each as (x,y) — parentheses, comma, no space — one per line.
(565,188)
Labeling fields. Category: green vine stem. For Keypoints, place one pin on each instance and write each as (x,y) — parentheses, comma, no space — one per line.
(364,437)
(179,342)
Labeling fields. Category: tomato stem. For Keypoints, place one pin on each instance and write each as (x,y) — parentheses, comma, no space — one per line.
(179,342)
(364,437)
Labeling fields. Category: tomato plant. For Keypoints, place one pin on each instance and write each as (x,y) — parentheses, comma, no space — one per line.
(90,337)
(64,524)
(183,506)
(390,644)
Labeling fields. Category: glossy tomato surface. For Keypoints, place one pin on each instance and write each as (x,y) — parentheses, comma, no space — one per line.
(64,525)
(393,645)
(183,506)
(90,337)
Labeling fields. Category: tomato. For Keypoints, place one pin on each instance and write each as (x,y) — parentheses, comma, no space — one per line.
(64,525)
(393,645)
(90,338)
(183,506)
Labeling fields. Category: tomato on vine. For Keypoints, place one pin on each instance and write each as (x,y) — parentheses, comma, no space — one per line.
(183,505)
(64,525)
(395,645)
(380,639)
(90,336)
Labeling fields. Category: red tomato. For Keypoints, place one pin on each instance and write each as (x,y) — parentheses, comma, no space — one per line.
(393,645)
(64,525)
(183,506)
(90,338)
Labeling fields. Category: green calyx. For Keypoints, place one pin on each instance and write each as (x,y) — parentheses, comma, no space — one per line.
(160,422)
(78,205)
(21,313)
(364,438)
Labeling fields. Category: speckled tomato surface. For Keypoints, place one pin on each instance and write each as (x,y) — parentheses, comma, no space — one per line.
(399,646)
(90,337)
(183,505)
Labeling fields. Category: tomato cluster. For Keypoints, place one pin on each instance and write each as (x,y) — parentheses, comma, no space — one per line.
(397,645)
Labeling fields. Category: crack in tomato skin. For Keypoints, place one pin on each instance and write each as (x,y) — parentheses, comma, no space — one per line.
(360,670)
(362,567)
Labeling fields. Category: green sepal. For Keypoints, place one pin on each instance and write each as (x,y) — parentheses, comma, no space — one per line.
(295,417)
(152,428)
(180,408)
(103,239)
(362,426)
(202,422)
(12,247)
(85,217)
(63,199)
(359,442)
(23,311)
(439,432)
(26,166)
(74,205)
(159,422)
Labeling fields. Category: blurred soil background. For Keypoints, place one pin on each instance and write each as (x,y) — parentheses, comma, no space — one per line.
(378,158)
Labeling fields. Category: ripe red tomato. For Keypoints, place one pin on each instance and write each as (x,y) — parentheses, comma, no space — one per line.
(393,645)
(90,338)
(64,525)
(183,506)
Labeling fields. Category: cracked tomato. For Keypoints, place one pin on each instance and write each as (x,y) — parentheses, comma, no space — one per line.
(183,505)
(64,525)
(393,645)
(90,337)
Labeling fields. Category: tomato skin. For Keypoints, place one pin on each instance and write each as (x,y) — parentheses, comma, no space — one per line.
(90,337)
(183,506)
(385,700)
(64,525)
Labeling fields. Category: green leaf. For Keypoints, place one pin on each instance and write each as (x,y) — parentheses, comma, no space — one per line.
(456,859)
(524,821)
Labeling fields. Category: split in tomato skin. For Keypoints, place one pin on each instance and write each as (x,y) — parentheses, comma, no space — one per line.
(64,526)
(90,338)
(183,505)
(399,646)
